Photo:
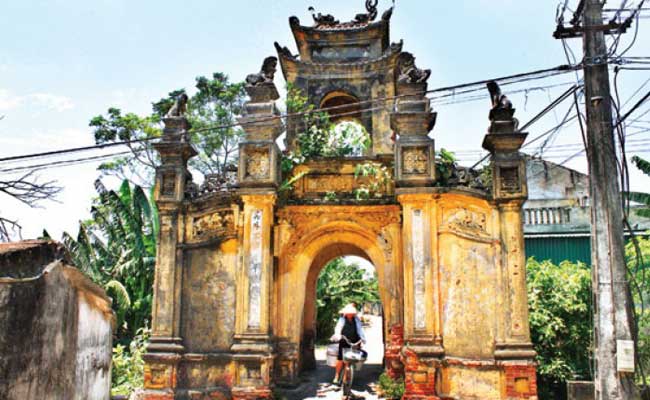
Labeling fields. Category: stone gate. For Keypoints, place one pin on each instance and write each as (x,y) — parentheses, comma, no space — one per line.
(237,264)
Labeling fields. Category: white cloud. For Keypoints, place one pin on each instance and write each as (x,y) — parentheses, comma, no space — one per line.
(8,101)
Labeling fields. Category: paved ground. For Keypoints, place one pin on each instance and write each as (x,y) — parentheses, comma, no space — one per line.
(316,384)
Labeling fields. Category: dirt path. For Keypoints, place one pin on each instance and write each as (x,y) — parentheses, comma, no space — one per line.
(316,384)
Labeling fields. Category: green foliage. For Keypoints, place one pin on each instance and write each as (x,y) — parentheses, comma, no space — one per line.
(330,196)
(446,161)
(339,284)
(559,298)
(377,180)
(128,365)
(317,136)
(117,250)
(638,197)
(217,102)
(391,388)
(637,255)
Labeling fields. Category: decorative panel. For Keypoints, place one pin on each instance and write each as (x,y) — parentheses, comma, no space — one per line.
(255,270)
(419,267)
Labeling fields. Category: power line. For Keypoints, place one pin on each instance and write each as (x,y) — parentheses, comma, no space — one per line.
(510,79)
(64,163)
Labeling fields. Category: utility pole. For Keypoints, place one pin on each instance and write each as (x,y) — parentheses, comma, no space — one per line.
(613,318)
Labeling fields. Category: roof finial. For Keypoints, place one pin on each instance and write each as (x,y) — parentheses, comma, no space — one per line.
(321,19)
(371,7)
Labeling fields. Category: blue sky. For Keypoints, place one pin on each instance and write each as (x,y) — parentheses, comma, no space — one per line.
(64,61)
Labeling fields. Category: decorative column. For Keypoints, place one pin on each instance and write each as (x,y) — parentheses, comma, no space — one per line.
(510,191)
(166,345)
(412,121)
(415,174)
(253,351)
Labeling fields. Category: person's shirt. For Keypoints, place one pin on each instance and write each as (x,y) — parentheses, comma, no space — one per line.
(341,322)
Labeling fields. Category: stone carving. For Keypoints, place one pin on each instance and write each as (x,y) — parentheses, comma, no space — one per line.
(388,13)
(266,74)
(284,51)
(168,183)
(499,101)
(419,267)
(408,72)
(415,161)
(502,112)
(257,165)
(371,7)
(255,271)
(321,19)
(213,183)
(467,177)
(509,179)
(218,224)
(299,224)
(467,221)
(179,108)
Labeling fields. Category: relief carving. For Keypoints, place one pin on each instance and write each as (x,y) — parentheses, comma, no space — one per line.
(218,224)
(258,165)
(509,179)
(156,377)
(298,224)
(471,222)
(415,161)
(168,183)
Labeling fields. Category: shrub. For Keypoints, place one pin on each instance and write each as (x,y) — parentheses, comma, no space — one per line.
(128,365)
(391,388)
(559,298)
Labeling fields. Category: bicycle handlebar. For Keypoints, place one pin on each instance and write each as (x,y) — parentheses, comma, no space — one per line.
(350,343)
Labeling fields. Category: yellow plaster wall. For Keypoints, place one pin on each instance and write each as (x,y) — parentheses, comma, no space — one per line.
(208,300)
(468,274)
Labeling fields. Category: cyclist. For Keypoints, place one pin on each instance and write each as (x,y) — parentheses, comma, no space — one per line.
(348,325)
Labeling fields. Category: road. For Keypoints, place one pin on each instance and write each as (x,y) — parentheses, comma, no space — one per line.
(316,385)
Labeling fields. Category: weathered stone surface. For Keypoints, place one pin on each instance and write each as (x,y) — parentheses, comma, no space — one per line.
(51,316)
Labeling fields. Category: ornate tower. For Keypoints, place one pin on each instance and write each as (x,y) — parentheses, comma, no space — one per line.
(351,66)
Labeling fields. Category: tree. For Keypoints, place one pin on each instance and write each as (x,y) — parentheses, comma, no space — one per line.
(639,197)
(341,283)
(559,298)
(212,111)
(117,250)
(28,190)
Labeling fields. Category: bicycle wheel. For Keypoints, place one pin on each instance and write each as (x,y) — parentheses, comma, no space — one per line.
(347,382)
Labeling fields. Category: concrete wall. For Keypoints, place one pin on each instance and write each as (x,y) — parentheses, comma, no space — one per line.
(57,327)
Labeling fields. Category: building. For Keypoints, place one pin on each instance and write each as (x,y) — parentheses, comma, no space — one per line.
(557,213)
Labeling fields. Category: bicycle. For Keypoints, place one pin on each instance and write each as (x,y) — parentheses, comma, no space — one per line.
(352,358)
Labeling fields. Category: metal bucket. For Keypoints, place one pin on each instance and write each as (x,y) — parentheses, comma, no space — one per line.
(332,354)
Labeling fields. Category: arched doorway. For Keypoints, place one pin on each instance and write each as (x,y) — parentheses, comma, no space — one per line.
(326,286)
(311,237)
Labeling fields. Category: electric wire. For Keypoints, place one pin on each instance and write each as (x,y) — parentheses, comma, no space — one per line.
(505,80)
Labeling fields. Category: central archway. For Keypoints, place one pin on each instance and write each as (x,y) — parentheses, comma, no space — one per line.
(310,314)
(310,237)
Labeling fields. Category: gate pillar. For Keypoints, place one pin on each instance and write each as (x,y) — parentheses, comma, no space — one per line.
(412,121)
(165,348)
(253,350)
(513,350)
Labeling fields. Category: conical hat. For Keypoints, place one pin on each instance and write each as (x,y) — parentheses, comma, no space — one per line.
(349,309)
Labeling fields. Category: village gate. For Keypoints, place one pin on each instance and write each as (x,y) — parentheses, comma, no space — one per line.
(237,263)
